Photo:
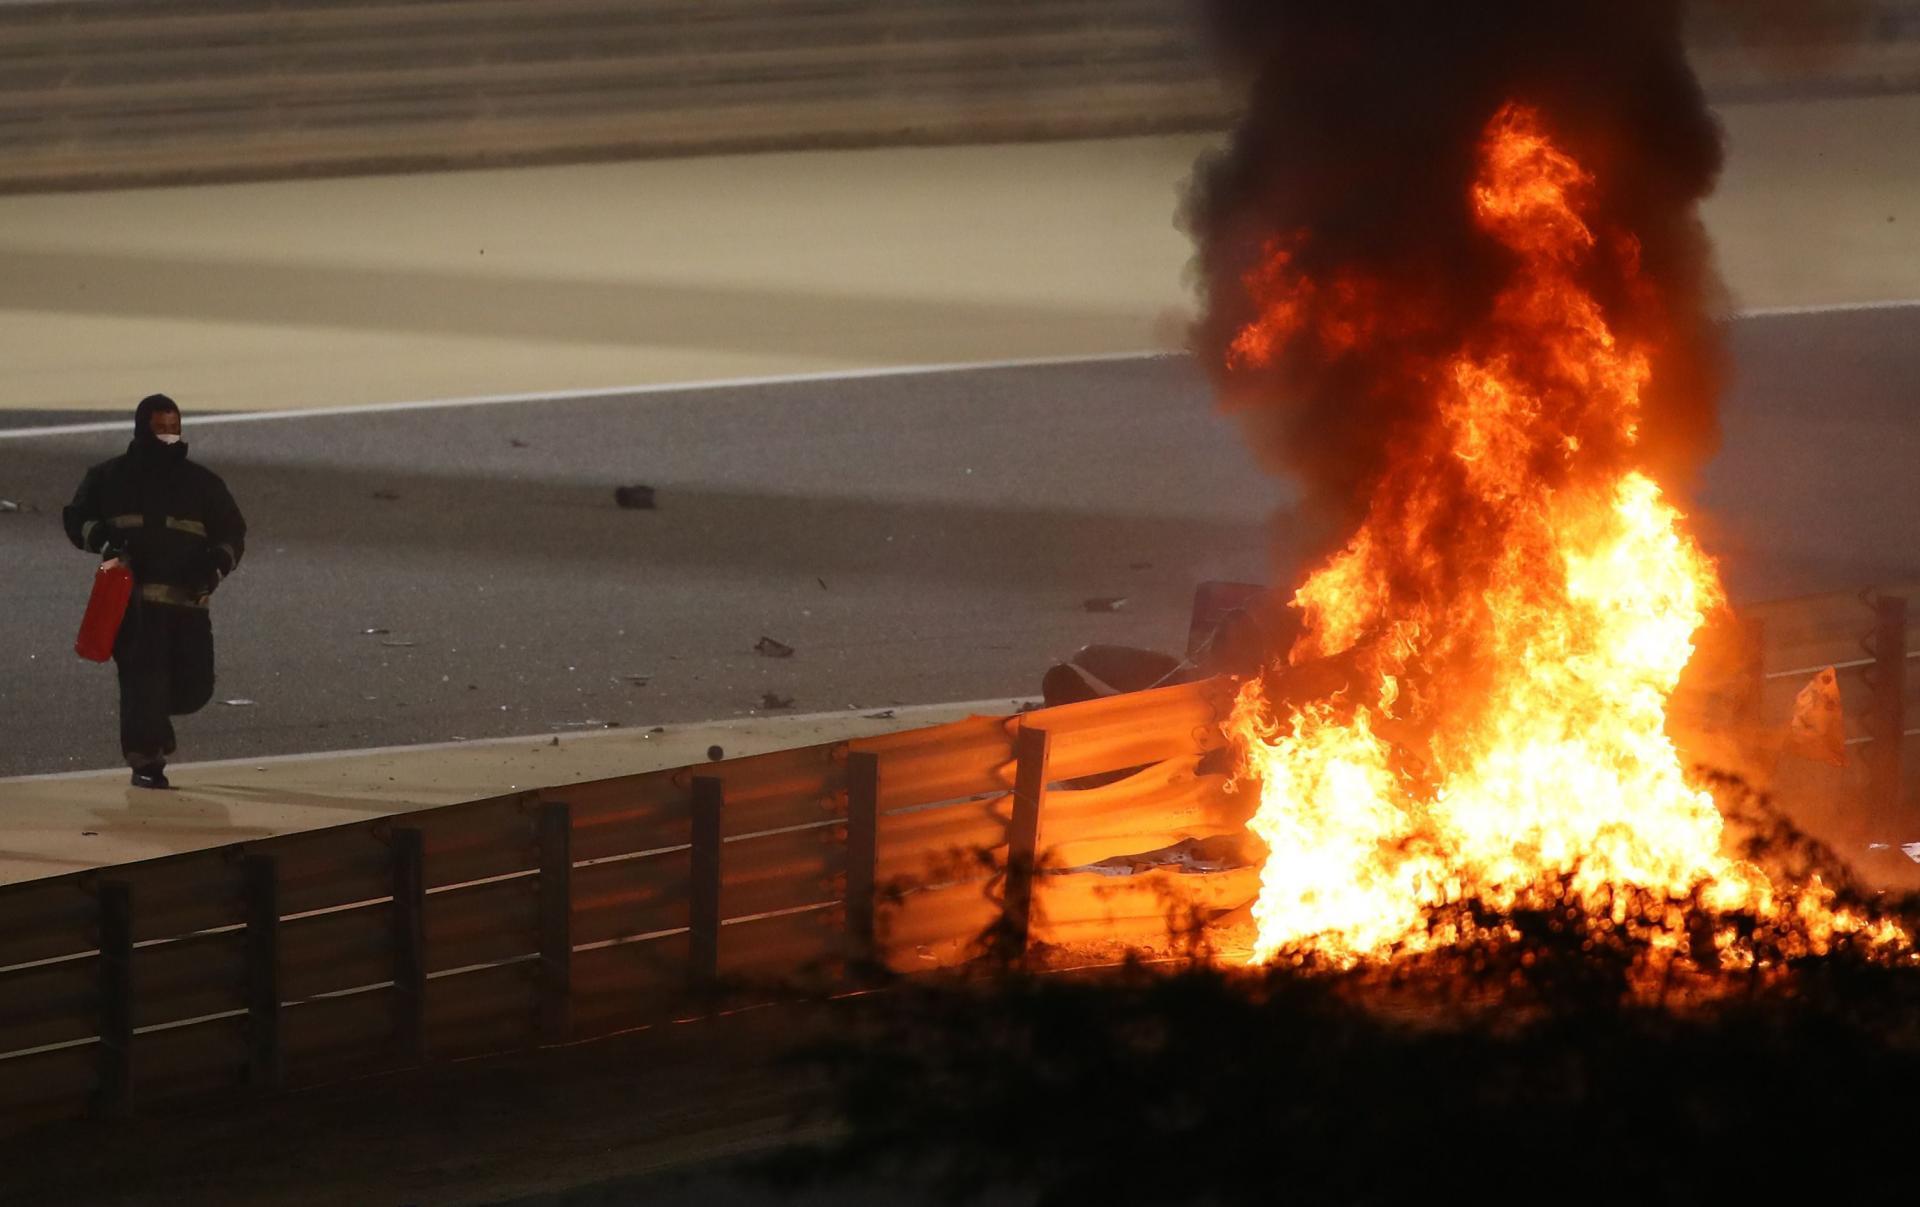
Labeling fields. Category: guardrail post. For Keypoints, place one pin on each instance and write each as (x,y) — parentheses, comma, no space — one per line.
(1888,721)
(863,854)
(703,940)
(556,921)
(113,1082)
(263,971)
(1033,749)
(409,943)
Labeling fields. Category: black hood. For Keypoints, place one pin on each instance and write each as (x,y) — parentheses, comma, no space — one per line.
(145,445)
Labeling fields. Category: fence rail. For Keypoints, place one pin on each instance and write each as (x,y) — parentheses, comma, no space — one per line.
(96,92)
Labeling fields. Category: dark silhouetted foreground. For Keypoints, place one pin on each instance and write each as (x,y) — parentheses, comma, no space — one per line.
(1546,1059)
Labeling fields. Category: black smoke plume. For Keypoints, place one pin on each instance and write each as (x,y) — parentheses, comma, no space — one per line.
(1359,142)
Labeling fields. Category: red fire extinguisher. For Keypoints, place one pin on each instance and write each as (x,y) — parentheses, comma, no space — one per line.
(106,608)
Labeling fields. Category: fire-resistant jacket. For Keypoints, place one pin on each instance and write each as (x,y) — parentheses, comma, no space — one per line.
(176,520)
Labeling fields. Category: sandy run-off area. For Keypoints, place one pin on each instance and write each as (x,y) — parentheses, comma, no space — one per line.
(326,293)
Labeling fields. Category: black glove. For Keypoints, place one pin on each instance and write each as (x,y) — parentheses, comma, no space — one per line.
(116,544)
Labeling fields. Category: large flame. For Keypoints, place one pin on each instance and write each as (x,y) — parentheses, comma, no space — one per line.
(1517,608)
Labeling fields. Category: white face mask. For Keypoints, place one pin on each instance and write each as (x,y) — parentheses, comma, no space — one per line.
(169,438)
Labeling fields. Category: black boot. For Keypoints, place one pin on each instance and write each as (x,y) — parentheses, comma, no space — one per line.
(152,776)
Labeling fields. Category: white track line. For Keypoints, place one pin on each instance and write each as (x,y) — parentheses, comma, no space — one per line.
(993,707)
(203,418)
(1776,312)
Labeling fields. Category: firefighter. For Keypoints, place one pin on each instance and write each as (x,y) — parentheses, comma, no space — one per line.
(174,524)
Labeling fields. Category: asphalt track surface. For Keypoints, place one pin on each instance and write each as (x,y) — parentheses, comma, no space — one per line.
(915,538)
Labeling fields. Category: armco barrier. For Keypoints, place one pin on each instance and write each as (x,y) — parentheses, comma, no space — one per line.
(1871,639)
(114,91)
(98,92)
(560,914)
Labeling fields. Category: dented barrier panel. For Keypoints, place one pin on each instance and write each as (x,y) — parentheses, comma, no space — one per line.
(1152,808)
(1131,730)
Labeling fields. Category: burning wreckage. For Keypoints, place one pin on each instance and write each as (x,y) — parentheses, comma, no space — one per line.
(1456,286)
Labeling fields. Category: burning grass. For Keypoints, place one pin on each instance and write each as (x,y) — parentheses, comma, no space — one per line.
(1544,1051)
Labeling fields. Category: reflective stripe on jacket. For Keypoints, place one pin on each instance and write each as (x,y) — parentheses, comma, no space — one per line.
(170,514)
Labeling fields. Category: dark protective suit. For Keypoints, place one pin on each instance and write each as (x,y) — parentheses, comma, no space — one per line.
(178,529)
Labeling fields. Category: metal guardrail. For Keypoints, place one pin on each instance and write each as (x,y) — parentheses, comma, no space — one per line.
(115,92)
(1869,640)
(562,914)
(100,92)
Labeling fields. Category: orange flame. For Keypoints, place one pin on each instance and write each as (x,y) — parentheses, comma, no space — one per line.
(1518,605)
